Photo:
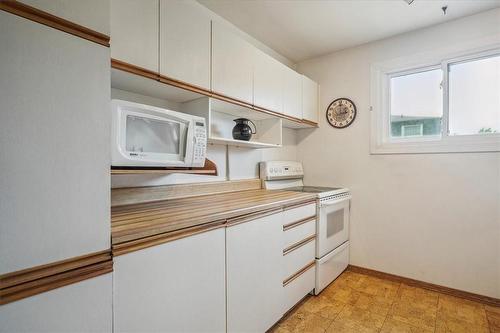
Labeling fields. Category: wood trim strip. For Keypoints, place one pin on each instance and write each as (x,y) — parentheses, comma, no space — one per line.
(210,168)
(299,273)
(39,16)
(35,280)
(299,222)
(136,195)
(121,65)
(300,204)
(143,243)
(129,68)
(252,216)
(299,244)
(426,285)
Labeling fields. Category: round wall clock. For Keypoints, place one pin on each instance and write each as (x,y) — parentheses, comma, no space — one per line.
(341,113)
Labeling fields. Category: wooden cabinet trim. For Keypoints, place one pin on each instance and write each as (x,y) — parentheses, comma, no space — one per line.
(299,222)
(252,216)
(35,280)
(121,65)
(299,244)
(300,204)
(292,277)
(146,242)
(42,17)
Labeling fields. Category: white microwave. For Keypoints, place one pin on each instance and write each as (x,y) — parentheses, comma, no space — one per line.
(147,136)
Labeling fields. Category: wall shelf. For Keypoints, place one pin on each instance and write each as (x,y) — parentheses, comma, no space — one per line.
(210,169)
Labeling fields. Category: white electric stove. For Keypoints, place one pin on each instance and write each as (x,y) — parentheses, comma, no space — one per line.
(332,225)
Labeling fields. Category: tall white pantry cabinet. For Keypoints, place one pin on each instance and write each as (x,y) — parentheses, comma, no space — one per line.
(55,182)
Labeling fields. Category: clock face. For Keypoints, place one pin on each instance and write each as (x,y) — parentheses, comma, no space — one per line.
(341,113)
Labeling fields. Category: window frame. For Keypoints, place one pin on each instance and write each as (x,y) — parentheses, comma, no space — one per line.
(381,141)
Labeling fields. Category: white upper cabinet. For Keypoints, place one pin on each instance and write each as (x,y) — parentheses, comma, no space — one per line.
(134,32)
(232,64)
(310,95)
(185,42)
(292,92)
(254,254)
(92,14)
(268,82)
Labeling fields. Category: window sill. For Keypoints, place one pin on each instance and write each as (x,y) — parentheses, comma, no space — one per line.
(454,144)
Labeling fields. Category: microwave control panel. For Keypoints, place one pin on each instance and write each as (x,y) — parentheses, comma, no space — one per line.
(200,143)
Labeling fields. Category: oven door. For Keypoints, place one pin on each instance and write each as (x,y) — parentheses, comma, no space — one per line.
(333,225)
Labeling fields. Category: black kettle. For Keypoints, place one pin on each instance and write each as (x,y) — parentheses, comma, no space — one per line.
(242,130)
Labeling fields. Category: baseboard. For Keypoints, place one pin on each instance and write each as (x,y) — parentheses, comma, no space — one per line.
(426,285)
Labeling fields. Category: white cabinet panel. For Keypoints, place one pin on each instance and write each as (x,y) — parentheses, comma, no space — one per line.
(232,64)
(54,144)
(185,42)
(268,82)
(254,274)
(174,287)
(134,32)
(299,288)
(292,92)
(310,95)
(80,307)
(92,14)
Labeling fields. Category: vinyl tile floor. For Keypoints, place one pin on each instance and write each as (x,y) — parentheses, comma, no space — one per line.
(361,303)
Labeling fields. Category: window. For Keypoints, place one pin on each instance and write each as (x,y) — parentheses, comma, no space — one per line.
(448,105)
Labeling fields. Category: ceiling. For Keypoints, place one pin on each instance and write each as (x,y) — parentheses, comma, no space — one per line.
(303,29)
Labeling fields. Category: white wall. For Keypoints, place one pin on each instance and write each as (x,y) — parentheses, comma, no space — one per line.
(232,162)
(433,217)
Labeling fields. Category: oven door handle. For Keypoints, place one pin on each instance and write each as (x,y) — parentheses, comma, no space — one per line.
(335,202)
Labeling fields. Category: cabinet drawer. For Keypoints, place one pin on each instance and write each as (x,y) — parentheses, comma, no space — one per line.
(298,258)
(291,215)
(294,233)
(299,287)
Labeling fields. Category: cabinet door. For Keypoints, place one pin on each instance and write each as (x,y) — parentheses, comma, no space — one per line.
(185,42)
(134,32)
(92,14)
(310,95)
(174,287)
(80,307)
(268,82)
(292,92)
(54,129)
(232,64)
(254,255)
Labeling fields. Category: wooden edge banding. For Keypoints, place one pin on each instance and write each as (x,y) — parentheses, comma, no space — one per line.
(299,244)
(299,273)
(139,244)
(32,281)
(426,285)
(252,216)
(39,16)
(299,222)
(124,66)
(129,68)
(209,169)
(300,204)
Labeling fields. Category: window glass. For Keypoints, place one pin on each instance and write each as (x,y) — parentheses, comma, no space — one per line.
(416,104)
(474,97)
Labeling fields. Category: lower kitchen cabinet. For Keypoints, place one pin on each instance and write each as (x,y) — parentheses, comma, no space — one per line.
(254,255)
(80,307)
(178,286)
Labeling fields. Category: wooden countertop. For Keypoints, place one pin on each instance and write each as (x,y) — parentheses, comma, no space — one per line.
(141,225)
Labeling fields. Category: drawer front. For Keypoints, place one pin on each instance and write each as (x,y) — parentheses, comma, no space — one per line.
(298,288)
(298,258)
(294,234)
(329,267)
(291,215)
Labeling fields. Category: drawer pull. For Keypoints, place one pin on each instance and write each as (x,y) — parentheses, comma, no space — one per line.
(295,246)
(299,273)
(300,204)
(297,223)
